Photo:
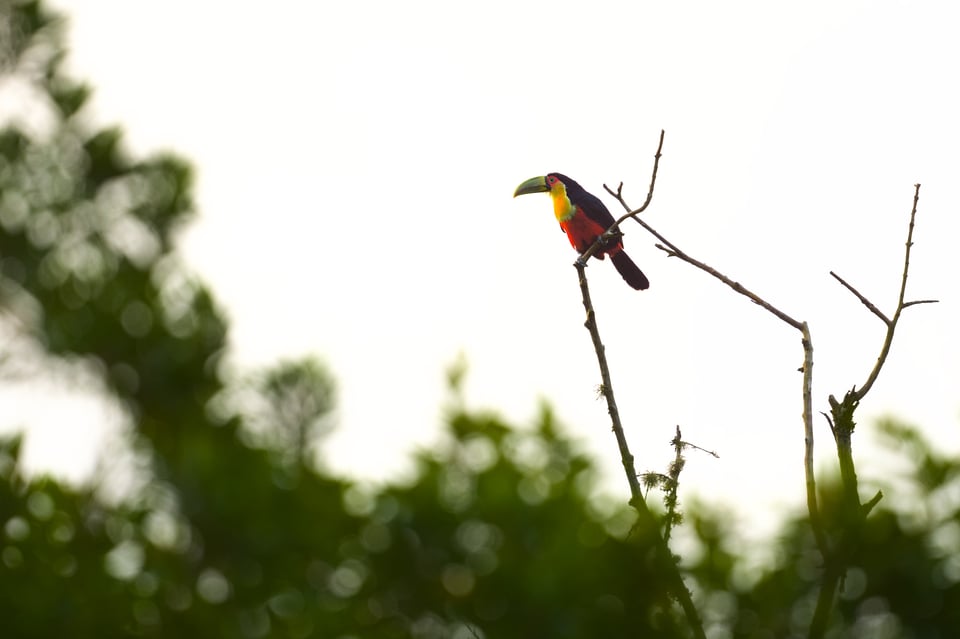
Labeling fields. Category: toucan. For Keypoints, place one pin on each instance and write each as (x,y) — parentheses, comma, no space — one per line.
(584,218)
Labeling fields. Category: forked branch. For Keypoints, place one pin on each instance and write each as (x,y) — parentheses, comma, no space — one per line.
(860,393)
(842,424)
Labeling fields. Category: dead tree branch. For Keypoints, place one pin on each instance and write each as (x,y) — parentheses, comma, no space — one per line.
(891,323)
(663,557)
(842,424)
(876,311)
(606,388)
(673,250)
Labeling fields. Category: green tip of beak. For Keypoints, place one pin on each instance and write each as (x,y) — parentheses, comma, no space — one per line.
(533,185)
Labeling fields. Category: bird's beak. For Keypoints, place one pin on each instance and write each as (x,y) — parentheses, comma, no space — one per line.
(533,185)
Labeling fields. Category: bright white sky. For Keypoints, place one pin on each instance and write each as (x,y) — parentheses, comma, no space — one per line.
(356,162)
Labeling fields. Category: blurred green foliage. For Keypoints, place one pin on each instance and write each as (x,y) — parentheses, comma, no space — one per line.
(236,531)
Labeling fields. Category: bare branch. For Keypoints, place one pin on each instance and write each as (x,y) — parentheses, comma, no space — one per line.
(606,386)
(861,392)
(673,251)
(666,559)
(813,507)
(876,311)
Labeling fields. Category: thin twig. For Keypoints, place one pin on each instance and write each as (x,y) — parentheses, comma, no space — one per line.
(653,177)
(876,311)
(833,428)
(702,450)
(915,302)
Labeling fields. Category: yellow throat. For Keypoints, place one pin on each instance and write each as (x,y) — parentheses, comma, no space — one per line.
(563,208)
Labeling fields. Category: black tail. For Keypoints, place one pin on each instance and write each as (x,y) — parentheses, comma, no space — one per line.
(629,271)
